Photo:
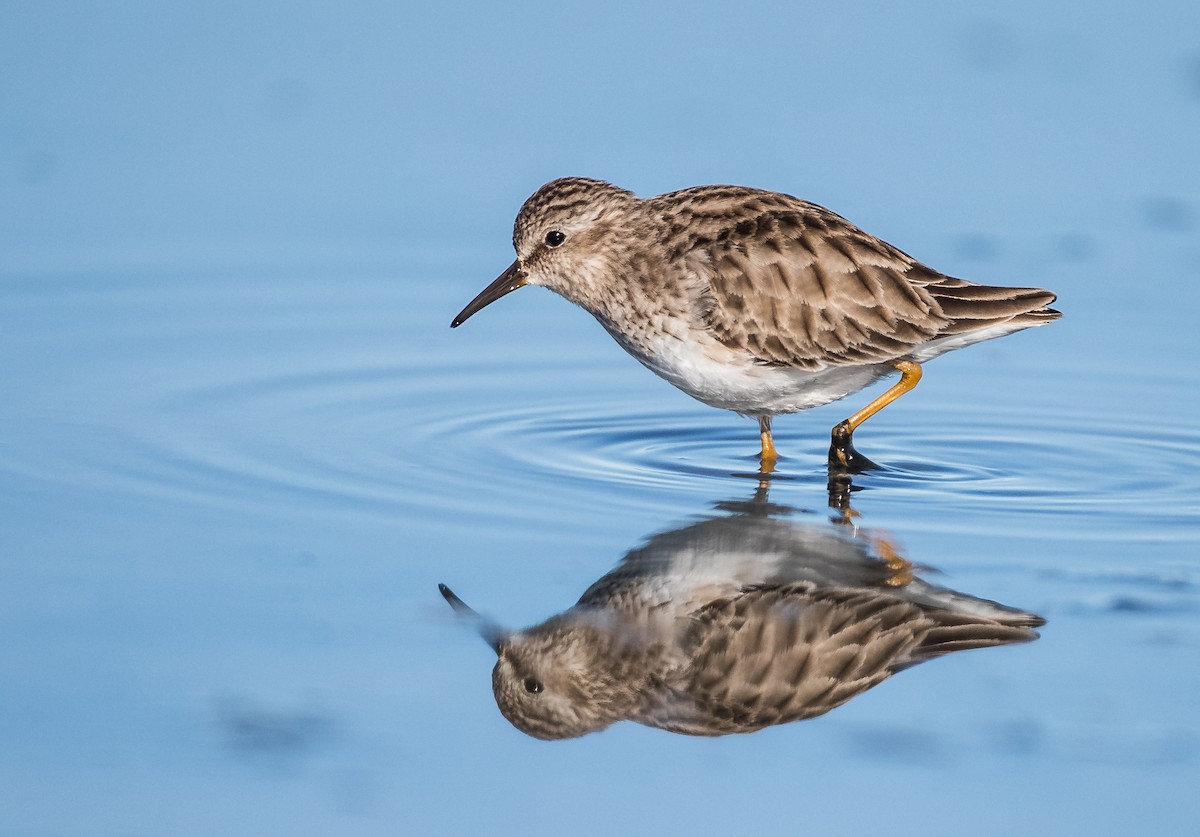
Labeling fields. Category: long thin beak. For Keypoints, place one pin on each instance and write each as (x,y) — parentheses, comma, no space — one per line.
(492,633)
(505,283)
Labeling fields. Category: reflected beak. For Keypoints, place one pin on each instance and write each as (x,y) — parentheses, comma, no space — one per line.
(505,283)
(492,633)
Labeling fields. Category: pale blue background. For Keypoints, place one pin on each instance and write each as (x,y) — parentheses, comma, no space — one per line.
(239,445)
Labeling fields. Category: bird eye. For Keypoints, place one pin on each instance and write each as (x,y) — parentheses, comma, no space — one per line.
(555,237)
(533,685)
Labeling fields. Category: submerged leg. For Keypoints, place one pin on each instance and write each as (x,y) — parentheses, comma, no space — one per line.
(768,455)
(841,450)
(840,487)
(901,567)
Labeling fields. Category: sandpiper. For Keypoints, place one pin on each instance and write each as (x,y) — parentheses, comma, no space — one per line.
(752,301)
(730,625)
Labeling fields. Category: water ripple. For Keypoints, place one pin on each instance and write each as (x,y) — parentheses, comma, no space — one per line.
(383,438)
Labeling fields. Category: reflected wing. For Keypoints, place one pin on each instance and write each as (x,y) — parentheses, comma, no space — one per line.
(775,654)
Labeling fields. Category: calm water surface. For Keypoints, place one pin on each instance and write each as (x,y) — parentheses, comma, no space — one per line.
(240,446)
(230,496)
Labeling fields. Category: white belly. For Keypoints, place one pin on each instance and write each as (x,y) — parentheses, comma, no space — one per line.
(710,372)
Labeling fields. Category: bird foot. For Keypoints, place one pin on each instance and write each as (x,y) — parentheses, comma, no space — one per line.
(840,487)
(843,458)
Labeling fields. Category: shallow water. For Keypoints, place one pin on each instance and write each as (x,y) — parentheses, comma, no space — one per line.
(231,496)
(237,457)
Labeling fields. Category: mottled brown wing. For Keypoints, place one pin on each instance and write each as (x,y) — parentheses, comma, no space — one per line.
(803,287)
(794,284)
(968,307)
(775,654)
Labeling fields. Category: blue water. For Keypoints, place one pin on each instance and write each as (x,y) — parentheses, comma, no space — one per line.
(240,445)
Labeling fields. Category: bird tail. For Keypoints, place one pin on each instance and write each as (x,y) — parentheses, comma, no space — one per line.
(970,307)
(961,622)
(948,637)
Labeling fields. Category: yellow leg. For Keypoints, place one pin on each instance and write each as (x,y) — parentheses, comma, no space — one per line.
(910,374)
(901,567)
(769,455)
(768,447)
(841,451)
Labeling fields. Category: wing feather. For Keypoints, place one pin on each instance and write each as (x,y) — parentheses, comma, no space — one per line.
(772,654)
(819,287)
(795,285)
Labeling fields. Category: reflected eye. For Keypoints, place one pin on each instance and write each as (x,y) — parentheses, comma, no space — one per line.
(533,685)
(555,238)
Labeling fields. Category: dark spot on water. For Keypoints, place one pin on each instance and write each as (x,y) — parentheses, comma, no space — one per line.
(977,247)
(1075,247)
(1131,604)
(251,728)
(894,744)
(986,45)
(1166,638)
(1168,214)
(1191,74)
(1145,604)
(1018,737)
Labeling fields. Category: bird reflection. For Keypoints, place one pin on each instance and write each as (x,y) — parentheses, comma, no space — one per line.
(732,624)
